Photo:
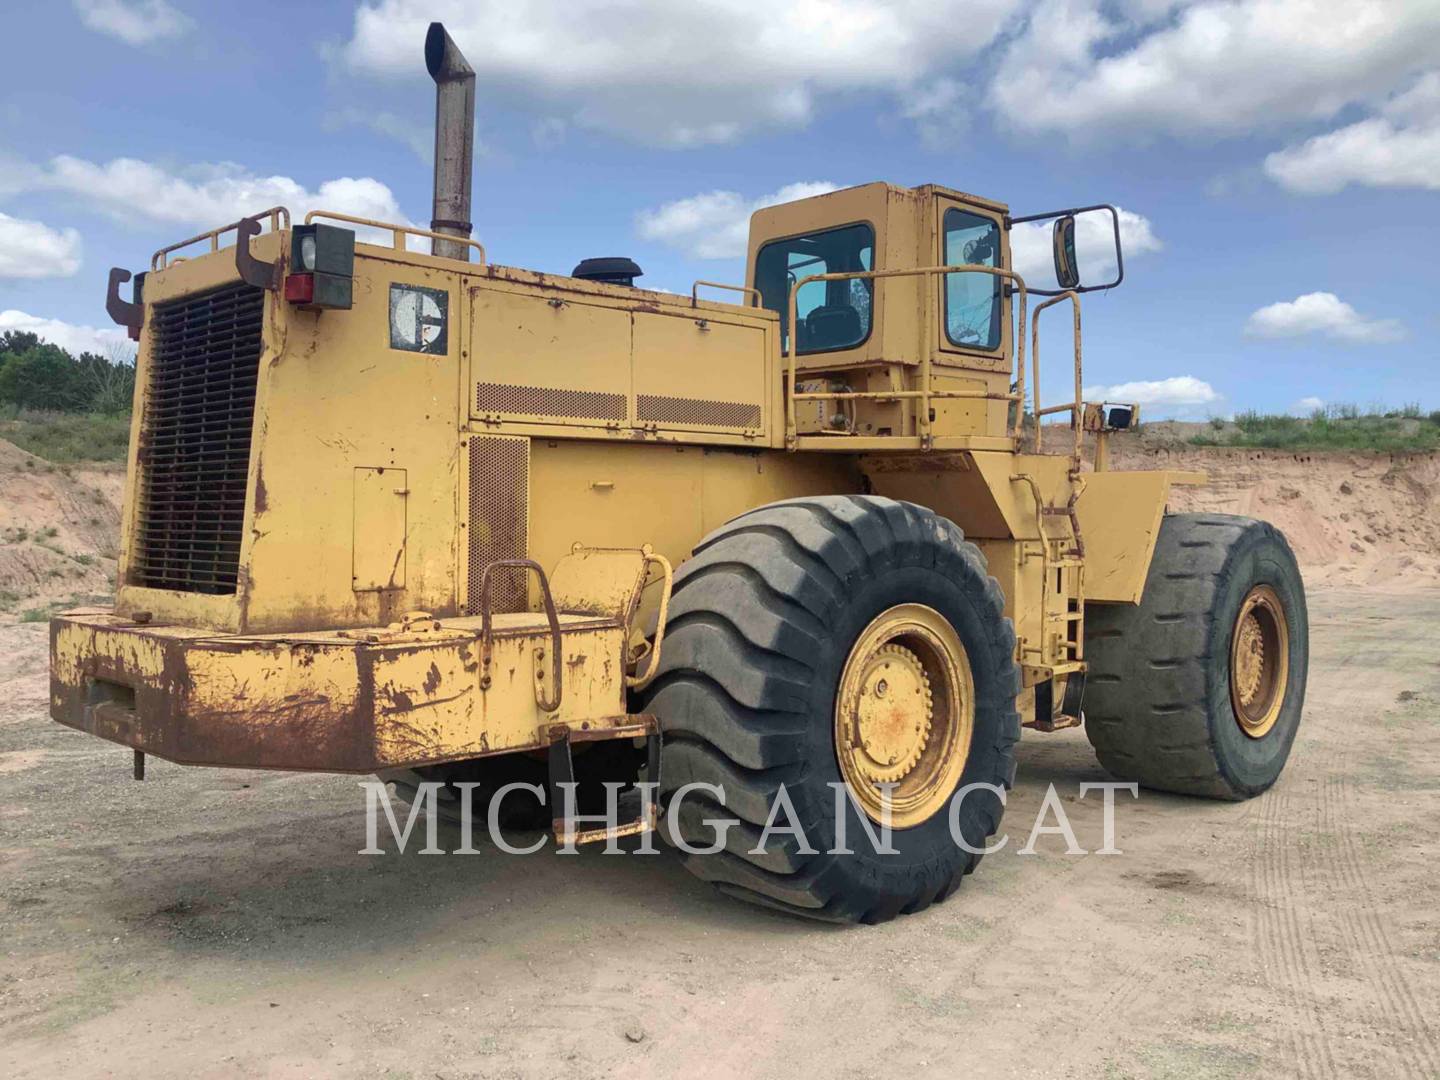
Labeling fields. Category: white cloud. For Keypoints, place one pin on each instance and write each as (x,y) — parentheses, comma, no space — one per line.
(418,138)
(685,74)
(716,224)
(1308,405)
(1398,148)
(1030,250)
(1176,390)
(135,22)
(1216,67)
(73,338)
(939,110)
(1325,314)
(29,249)
(1181,396)
(200,196)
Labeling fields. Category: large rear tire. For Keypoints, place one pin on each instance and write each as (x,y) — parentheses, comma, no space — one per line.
(777,613)
(1199,688)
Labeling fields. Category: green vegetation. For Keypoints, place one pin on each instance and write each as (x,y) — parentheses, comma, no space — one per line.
(61,407)
(46,612)
(37,375)
(67,437)
(1335,427)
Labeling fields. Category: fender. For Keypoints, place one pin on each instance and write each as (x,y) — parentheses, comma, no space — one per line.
(1120,516)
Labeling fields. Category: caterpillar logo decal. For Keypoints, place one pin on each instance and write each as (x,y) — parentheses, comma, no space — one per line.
(419,318)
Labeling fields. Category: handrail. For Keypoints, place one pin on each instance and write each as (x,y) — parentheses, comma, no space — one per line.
(487,638)
(275,214)
(667,581)
(1075,408)
(398,232)
(925,393)
(746,289)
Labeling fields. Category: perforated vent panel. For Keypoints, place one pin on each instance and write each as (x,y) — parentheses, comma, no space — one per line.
(548,401)
(686,412)
(499,523)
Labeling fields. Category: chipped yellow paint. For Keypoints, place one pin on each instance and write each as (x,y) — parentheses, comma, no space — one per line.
(652,418)
(326,701)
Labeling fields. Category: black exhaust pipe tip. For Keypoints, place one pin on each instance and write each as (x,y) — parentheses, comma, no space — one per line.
(443,58)
(434,49)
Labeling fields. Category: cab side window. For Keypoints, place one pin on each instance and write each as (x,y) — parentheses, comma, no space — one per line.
(831,314)
(972,301)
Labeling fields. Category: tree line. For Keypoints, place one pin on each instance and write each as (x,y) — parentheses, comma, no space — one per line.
(35,374)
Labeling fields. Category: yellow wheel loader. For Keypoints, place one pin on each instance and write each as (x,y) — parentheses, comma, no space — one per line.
(449,521)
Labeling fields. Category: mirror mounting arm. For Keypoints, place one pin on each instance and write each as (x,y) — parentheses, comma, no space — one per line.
(1071,212)
(253,271)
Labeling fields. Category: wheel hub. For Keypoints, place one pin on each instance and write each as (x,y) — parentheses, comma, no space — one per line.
(904,713)
(1249,658)
(893,714)
(1259,661)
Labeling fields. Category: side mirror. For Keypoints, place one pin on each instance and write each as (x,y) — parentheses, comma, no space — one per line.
(1062,237)
(1067,272)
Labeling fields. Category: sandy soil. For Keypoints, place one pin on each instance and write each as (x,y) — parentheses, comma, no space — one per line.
(59,526)
(1352,518)
(220,923)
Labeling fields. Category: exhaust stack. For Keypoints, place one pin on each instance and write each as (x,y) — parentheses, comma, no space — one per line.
(454,141)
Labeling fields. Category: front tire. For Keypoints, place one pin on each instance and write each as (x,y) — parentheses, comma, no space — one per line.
(775,615)
(1199,688)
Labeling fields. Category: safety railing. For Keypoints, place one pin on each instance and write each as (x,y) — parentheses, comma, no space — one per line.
(398,232)
(1075,408)
(927,392)
(278,215)
(752,294)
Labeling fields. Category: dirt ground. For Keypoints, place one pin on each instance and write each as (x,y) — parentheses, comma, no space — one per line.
(59,526)
(221,923)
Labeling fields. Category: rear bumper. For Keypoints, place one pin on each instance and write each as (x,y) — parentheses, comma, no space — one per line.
(350,702)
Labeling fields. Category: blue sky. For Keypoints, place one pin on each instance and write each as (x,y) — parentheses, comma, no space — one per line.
(1278,160)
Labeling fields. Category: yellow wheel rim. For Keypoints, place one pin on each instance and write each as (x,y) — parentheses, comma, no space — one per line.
(904,715)
(1259,661)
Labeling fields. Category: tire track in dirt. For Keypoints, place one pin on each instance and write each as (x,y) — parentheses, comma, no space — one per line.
(1311,900)
(1035,898)
(1370,942)
(1281,930)
(1340,871)
(1136,983)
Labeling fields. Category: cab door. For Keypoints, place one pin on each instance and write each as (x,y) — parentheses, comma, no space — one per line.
(973,325)
(971,344)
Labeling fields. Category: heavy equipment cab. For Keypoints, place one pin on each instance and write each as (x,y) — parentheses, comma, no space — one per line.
(846,260)
(430,516)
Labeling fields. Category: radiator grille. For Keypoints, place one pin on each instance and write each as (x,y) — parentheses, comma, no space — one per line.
(548,401)
(195,440)
(499,518)
(687,411)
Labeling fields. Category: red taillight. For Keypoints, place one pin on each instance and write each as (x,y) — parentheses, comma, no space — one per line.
(300,288)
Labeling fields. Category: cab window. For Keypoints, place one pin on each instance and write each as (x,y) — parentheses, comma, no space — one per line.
(972,301)
(831,314)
